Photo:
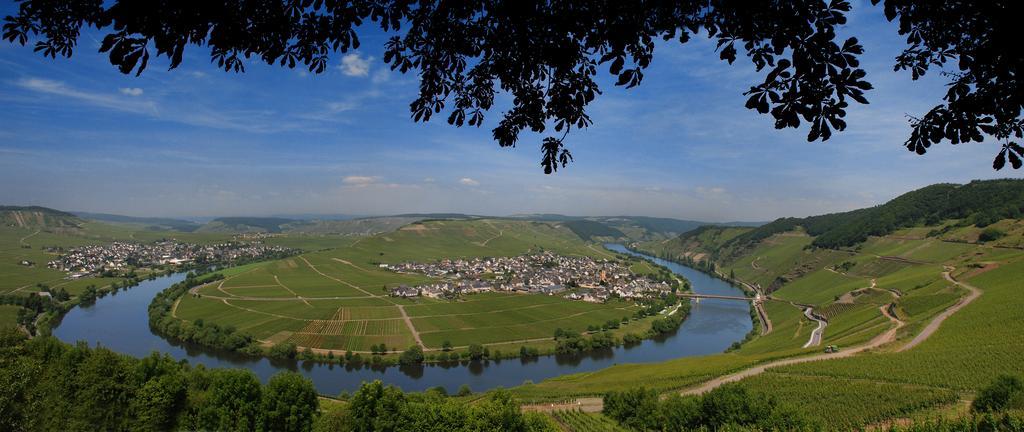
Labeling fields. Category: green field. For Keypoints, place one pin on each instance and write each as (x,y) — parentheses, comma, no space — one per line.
(966,352)
(579,421)
(8,315)
(337,299)
(334,297)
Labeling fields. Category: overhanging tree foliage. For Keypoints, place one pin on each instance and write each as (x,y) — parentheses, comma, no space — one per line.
(546,54)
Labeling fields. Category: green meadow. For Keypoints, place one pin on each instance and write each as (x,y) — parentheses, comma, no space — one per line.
(337,299)
(967,352)
(334,297)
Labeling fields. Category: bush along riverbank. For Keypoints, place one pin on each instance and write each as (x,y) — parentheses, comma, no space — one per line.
(207,334)
(668,311)
(43,312)
(40,312)
(709,268)
(674,313)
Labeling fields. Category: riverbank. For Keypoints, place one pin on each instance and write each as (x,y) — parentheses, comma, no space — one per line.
(121,323)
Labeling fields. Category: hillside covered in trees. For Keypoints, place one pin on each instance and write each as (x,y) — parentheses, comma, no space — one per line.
(978,203)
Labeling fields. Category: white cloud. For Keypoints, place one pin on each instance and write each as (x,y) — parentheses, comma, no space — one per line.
(355,65)
(359,181)
(58,88)
(251,121)
(131,91)
(381,75)
(336,107)
(468,181)
(710,190)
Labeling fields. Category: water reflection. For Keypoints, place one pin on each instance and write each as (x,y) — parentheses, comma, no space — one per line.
(120,322)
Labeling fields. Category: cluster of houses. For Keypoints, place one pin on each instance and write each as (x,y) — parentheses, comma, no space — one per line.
(578,278)
(118,256)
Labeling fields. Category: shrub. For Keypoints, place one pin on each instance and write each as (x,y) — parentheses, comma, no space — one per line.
(476,351)
(413,355)
(990,234)
(1003,393)
(283,350)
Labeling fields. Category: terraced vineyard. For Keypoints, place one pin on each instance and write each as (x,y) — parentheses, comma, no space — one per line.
(901,273)
(338,299)
(579,421)
(844,404)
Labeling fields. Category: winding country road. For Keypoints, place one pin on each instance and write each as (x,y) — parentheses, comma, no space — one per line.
(937,321)
(762,313)
(595,404)
(878,341)
(816,334)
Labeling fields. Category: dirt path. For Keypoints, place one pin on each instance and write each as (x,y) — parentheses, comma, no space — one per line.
(336,279)
(500,233)
(590,405)
(401,308)
(878,341)
(290,290)
(22,240)
(412,328)
(938,320)
(595,404)
(349,263)
(601,251)
(238,297)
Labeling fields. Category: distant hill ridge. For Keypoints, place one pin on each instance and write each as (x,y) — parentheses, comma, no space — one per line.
(588,229)
(980,202)
(156,223)
(247,224)
(37,217)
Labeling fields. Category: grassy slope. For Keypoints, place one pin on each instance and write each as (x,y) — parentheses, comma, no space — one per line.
(353,321)
(968,350)
(8,315)
(28,243)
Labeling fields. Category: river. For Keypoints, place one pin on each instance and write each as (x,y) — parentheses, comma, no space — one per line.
(120,322)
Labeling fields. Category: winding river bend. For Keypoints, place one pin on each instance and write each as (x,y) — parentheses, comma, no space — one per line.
(120,322)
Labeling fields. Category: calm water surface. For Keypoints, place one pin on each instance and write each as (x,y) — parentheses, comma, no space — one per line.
(120,322)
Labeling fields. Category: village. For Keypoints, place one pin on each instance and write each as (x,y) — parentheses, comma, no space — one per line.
(119,256)
(582,278)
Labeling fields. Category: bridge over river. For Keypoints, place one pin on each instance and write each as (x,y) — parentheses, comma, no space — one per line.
(715,296)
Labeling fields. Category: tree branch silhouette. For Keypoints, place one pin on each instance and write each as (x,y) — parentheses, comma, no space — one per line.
(547,54)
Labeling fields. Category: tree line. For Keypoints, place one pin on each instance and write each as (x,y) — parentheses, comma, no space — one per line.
(198,331)
(979,203)
(49,385)
(46,384)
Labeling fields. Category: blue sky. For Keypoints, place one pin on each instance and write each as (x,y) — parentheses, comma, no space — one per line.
(75,134)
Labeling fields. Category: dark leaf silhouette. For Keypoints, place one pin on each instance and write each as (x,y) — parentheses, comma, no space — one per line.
(1000,161)
(546,54)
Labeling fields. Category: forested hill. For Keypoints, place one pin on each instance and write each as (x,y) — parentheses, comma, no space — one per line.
(980,203)
(587,229)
